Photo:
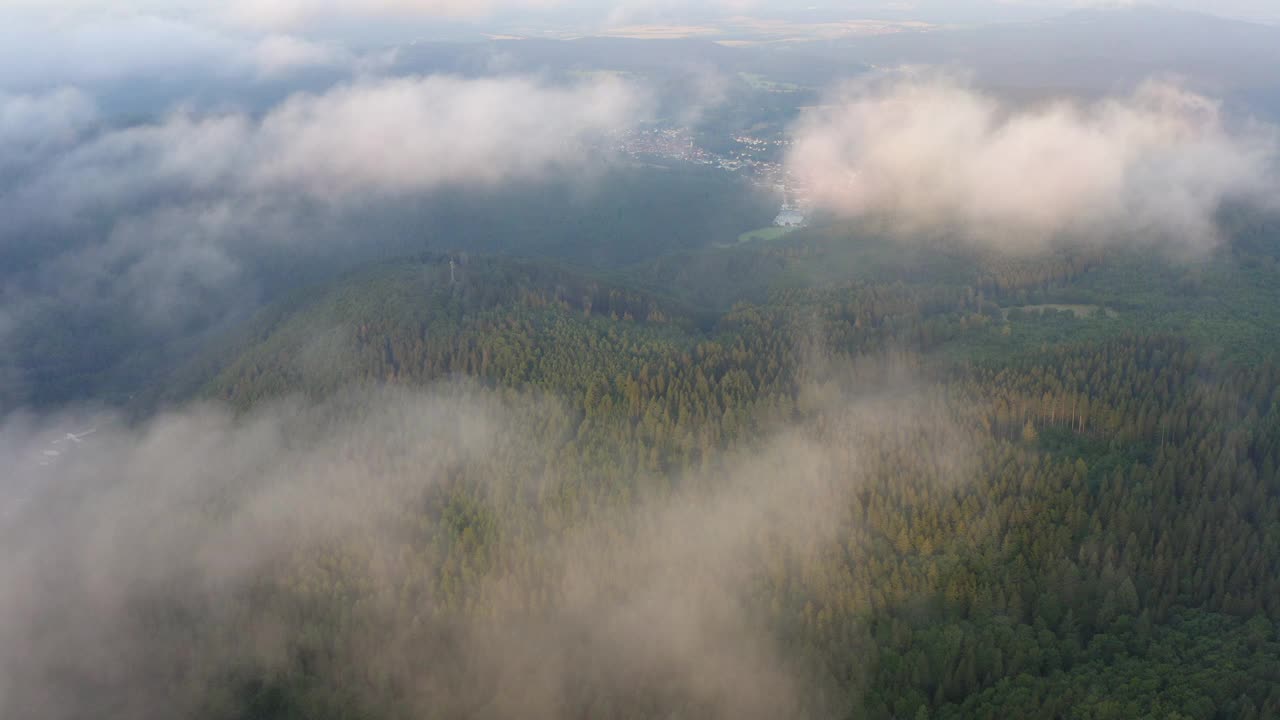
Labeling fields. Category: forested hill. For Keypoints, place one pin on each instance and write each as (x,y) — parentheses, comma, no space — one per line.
(627,213)
(526,322)
(514,321)
(1108,547)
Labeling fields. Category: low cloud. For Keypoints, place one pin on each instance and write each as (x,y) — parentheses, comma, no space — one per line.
(44,121)
(38,52)
(372,136)
(405,548)
(35,126)
(167,211)
(170,55)
(931,154)
(417,134)
(275,55)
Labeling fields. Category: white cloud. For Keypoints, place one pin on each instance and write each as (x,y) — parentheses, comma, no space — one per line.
(416,134)
(376,135)
(187,198)
(90,51)
(278,54)
(85,51)
(932,153)
(43,122)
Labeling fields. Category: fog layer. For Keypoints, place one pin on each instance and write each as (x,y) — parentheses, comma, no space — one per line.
(406,551)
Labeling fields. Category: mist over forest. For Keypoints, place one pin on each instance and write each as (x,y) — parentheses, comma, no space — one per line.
(521,359)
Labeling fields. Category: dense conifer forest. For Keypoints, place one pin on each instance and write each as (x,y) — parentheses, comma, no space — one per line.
(639,360)
(1043,496)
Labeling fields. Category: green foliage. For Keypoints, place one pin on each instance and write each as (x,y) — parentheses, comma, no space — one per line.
(1199,665)
(1110,547)
(1112,551)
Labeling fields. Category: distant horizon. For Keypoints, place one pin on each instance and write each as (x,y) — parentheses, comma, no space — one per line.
(404,21)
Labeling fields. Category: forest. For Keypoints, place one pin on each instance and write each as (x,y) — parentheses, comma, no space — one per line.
(1040,487)
(420,361)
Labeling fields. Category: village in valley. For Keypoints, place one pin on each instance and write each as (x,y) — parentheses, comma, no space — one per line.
(758,159)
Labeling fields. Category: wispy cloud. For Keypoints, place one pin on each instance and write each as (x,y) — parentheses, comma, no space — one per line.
(162,214)
(38,125)
(152,567)
(278,54)
(375,135)
(92,52)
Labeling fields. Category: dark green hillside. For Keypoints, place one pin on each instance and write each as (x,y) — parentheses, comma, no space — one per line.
(613,216)
(1226,300)
(1108,547)
(512,322)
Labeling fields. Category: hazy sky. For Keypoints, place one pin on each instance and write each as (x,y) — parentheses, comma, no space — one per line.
(47,43)
(304,14)
(79,42)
